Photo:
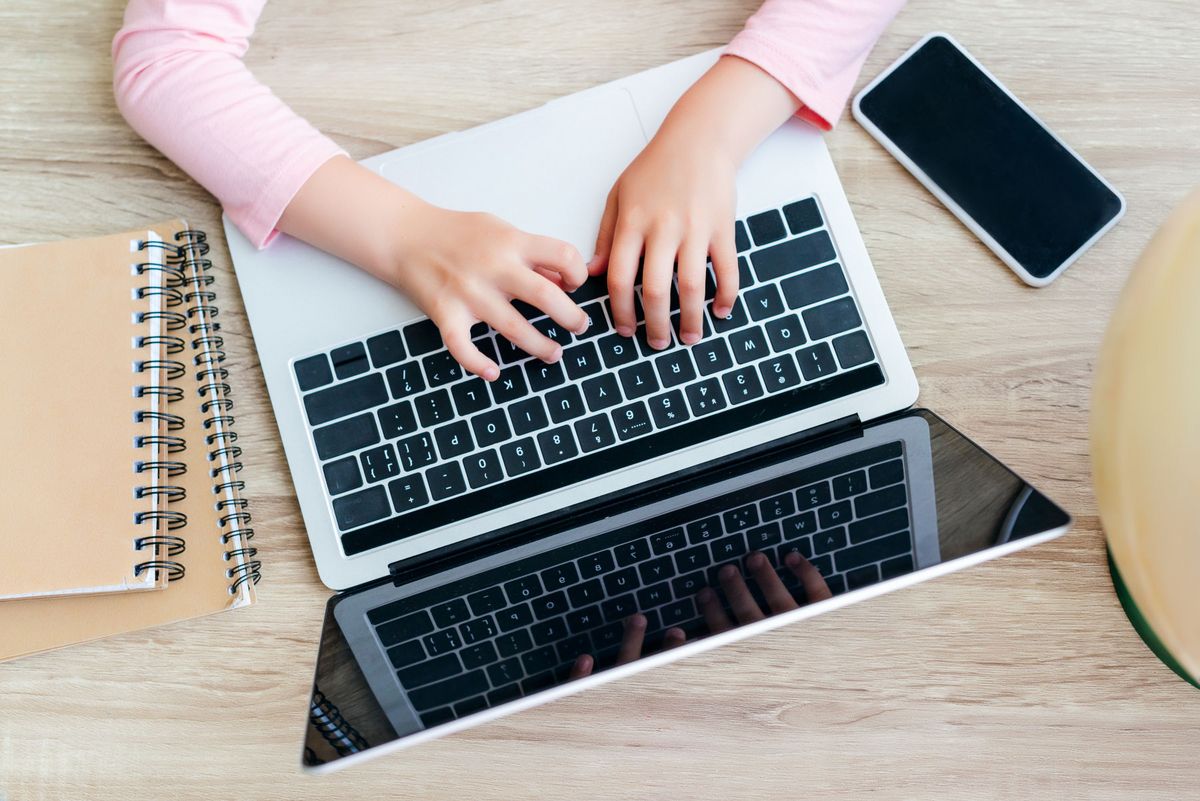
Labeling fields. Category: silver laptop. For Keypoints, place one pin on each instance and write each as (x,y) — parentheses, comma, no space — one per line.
(492,543)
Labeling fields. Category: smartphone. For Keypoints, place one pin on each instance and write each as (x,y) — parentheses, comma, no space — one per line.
(960,132)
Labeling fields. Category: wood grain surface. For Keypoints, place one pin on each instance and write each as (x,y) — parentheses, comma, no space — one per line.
(1018,679)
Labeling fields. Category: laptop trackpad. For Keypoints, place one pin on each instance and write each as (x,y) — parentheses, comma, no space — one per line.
(547,171)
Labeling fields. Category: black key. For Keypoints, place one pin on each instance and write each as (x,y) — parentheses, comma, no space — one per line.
(345,399)
(766,227)
(594,432)
(735,319)
(581,360)
(742,385)
(408,493)
(638,380)
(608,636)
(777,507)
(899,566)
(538,660)
(705,324)
(799,525)
(595,286)
(657,569)
(502,695)
(422,337)
(745,276)
(478,330)
(449,691)
(643,342)
(862,577)
(651,597)
(379,463)
(712,356)
(601,392)
(793,256)
(450,613)
(572,647)
(397,420)
(668,409)
(543,376)
(342,476)
(621,607)
(740,518)
(689,585)
(445,480)
(829,540)
(487,347)
(831,318)
(597,564)
(584,619)
(692,558)
(803,215)
(349,360)
(675,368)
(853,349)
(779,373)
(433,408)
(471,396)
(507,671)
(631,420)
(620,581)
(490,427)
(586,593)
(485,601)
(514,617)
(405,628)
(632,552)
(437,717)
(785,333)
(454,439)
(464,708)
(679,612)
(739,237)
(416,451)
(551,605)
(710,283)
(565,404)
(616,350)
(886,473)
(877,526)
(748,345)
(815,286)
(405,379)
(443,667)
(764,302)
(406,654)
(728,547)
(706,397)
(519,457)
(516,642)
(813,495)
(667,541)
(802,546)
(312,372)
(510,385)
(816,361)
(854,484)
(557,445)
(537,682)
(761,537)
(483,469)
(528,415)
(561,576)
(823,564)
(704,530)
(345,436)
(508,352)
(523,589)
(597,322)
(527,310)
(441,368)
(553,331)
(386,349)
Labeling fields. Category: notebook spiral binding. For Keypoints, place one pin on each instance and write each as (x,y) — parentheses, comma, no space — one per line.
(327,719)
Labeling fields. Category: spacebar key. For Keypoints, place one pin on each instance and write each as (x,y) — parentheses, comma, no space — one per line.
(449,691)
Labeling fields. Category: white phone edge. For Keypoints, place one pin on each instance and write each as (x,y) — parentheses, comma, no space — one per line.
(945,199)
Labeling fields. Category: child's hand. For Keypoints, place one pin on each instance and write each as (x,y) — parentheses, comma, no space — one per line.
(675,203)
(458,267)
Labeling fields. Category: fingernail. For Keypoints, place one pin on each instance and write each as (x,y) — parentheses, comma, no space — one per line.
(729,571)
(637,620)
(587,323)
(705,594)
(491,373)
(624,330)
(659,344)
(690,338)
(556,355)
(722,311)
(755,559)
(792,558)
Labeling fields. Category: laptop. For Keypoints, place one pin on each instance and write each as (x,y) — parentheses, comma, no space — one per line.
(497,546)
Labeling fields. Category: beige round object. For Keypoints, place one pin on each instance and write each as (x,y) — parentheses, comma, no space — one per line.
(1145,431)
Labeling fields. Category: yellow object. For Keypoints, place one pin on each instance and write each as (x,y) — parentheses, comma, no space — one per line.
(1145,432)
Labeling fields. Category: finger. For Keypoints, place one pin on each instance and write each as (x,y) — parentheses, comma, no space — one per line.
(745,608)
(631,643)
(558,257)
(549,275)
(777,595)
(724,258)
(673,638)
(714,616)
(501,315)
(537,290)
(583,666)
(604,238)
(622,271)
(657,269)
(815,588)
(691,293)
(456,334)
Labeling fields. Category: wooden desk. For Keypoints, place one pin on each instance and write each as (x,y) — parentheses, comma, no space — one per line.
(1018,679)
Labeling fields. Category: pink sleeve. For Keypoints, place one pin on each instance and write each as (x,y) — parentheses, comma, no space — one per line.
(180,82)
(815,48)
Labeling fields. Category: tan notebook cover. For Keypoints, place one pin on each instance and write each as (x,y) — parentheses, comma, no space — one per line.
(73,344)
(218,561)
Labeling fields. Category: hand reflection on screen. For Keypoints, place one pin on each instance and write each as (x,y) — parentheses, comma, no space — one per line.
(741,601)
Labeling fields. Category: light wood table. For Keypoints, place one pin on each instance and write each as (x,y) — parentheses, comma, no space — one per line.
(1018,679)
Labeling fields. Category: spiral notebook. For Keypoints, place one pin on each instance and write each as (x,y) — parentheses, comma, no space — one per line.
(172,499)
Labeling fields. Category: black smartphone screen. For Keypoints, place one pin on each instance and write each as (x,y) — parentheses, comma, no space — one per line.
(1036,199)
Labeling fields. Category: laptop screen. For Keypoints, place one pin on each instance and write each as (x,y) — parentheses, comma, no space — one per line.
(654,574)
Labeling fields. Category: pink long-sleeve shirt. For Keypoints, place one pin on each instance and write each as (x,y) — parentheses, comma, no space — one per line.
(250,150)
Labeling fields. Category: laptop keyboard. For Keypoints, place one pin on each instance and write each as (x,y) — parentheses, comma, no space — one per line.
(516,629)
(399,428)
